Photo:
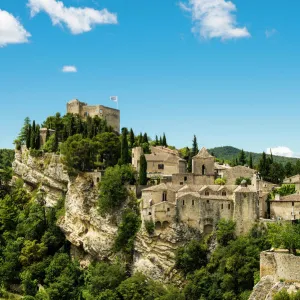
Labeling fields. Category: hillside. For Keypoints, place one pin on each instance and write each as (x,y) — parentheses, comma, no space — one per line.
(230,153)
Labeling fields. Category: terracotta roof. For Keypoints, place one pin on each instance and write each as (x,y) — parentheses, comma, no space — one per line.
(203,153)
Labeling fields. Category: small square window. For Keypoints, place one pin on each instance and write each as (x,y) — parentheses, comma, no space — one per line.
(222,206)
(149,213)
(185,178)
(228,206)
(207,201)
(182,202)
(168,209)
(181,183)
(193,202)
(161,166)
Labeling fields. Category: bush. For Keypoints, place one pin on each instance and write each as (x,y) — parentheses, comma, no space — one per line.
(150,226)
(225,232)
(282,295)
(36,153)
(220,181)
(239,180)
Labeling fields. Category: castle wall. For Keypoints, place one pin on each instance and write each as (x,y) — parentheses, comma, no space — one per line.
(280,265)
(246,211)
(203,213)
(285,210)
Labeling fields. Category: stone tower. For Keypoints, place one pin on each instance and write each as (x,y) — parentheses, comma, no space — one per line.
(203,163)
(246,207)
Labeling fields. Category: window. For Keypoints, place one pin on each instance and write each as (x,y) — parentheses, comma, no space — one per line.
(292,203)
(168,209)
(185,178)
(224,193)
(182,202)
(207,201)
(193,202)
(164,196)
(222,206)
(98,179)
(181,183)
(203,170)
(149,213)
(161,166)
(228,206)
(206,193)
(101,111)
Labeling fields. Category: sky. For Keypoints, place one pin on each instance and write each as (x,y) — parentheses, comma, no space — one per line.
(227,72)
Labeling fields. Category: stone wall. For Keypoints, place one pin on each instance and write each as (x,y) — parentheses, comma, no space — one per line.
(280,265)
(285,210)
(236,172)
(189,178)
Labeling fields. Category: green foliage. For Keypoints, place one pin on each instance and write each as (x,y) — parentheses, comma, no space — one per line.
(239,180)
(127,230)
(143,170)
(225,232)
(191,257)
(35,153)
(113,188)
(150,226)
(284,190)
(220,181)
(282,295)
(285,235)
(195,148)
(242,158)
(125,159)
(32,252)
(102,277)
(6,158)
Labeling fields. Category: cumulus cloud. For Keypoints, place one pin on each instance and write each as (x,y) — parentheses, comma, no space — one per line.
(214,19)
(281,151)
(11,30)
(270,32)
(78,20)
(69,69)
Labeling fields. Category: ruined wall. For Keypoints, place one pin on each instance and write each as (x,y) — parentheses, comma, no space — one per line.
(280,265)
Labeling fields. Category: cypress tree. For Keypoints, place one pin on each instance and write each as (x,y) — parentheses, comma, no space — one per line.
(160,141)
(37,142)
(131,138)
(156,141)
(124,147)
(140,139)
(164,141)
(28,137)
(145,138)
(143,170)
(189,164)
(32,136)
(242,158)
(250,161)
(195,148)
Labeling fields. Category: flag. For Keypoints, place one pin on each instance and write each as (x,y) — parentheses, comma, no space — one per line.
(114,98)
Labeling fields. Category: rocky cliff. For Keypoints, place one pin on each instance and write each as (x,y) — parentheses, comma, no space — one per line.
(91,235)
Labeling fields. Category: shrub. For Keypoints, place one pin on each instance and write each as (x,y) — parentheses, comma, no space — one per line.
(36,153)
(220,181)
(239,180)
(282,295)
(150,226)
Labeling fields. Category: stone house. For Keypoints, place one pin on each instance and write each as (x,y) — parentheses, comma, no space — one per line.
(293,180)
(162,162)
(111,115)
(285,208)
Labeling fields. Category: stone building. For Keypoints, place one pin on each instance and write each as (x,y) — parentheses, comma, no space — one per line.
(43,135)
(293,180)
(285,208)
(111,115)
(162,162)
(200,206)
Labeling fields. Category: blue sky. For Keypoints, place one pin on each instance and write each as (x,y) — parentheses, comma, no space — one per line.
(225,71)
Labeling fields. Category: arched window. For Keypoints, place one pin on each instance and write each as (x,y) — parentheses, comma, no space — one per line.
(203,170)
(206,193)
(164,196)
(223,193)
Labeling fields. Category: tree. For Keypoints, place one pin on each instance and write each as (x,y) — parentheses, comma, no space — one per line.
(288,169)
(276,173)
(145,138)
(191,257)
(239,180)
(250,161)
(113,188)
(264,166)
(124,147)
(195,149)
(143,170)
(32,136)
(225,232)
(23,135)
(164,141)
(131,138)
(156,141)
(242,158)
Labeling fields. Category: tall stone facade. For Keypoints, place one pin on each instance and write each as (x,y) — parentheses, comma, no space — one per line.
(111,115)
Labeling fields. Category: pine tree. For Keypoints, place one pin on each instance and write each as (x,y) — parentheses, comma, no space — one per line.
(143,170)
(164,141)
(32,136)
(131,138)
(24,131)
(250,161)
(124,147)
(195,148)
(242,158)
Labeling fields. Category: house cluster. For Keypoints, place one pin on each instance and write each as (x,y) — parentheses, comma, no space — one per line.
(194,198)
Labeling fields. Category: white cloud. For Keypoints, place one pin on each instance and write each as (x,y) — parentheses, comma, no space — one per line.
(281,151)
(11,30)
(69,69)
(214,19)
(78,20)
(270,32)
